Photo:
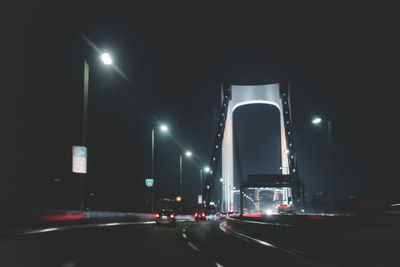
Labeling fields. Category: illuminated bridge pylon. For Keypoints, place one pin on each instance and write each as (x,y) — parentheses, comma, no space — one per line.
(234,96)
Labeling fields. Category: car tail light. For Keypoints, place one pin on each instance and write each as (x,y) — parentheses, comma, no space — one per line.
(203,215)
(172,216)
(157,215)
(195,215)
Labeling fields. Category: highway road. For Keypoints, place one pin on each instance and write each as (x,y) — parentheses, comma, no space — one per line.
(200,243)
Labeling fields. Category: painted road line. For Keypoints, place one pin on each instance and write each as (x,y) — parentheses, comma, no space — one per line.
(80,226)
(193,246)
(265,223)
(223,228)
(298,254)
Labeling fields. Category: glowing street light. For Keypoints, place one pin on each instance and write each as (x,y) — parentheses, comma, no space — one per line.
(106,58)
(206,169)
(316,120)
(164,128)
(188,154)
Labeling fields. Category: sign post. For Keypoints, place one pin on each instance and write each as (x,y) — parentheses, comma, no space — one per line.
(79,165)
(149,183)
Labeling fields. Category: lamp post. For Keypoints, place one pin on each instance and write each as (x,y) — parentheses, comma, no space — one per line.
(206,169)
(220,193)
(201,181)
(107,60)
(163,128)
(317,121)
(188,154)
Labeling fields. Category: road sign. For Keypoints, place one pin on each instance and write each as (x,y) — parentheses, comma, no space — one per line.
(178,199)
(149,182)
(199,199)
(79,155)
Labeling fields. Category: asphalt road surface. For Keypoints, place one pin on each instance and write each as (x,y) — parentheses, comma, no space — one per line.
(186,244)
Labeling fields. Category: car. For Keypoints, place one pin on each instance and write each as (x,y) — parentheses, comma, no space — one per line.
(222,215)
(286,209)
(200,215)
(165,216)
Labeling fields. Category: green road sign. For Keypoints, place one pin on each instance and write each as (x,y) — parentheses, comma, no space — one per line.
(149,182)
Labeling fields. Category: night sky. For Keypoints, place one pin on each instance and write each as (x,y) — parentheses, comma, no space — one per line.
(341,62)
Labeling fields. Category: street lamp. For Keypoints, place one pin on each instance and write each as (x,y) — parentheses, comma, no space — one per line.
(107,60)
(188,154)
(163,128)
(206,169)
(220,193)
(317,121)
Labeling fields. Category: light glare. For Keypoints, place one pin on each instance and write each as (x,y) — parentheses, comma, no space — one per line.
(164,128)
(316,120)
(106,58)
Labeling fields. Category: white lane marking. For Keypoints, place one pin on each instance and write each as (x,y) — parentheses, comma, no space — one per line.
(246,237)
(193,246)
(218,265)
(184,230)
(37,231)
(69,227)
(184,235)
(266,223)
